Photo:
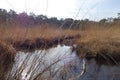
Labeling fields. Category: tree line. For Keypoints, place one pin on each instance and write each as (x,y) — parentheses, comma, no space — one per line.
(23,19)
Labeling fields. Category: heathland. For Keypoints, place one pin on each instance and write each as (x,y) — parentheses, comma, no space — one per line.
(93,39)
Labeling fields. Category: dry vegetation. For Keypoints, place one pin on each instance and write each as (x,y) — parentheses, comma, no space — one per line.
(36,37)
(91,42)
(96,36)
(100,43)
(7,54)
(22,33)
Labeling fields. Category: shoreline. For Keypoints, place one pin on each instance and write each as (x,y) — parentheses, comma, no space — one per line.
(107,54)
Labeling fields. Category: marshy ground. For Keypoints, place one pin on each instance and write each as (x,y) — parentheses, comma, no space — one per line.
(93,41)
(99,43)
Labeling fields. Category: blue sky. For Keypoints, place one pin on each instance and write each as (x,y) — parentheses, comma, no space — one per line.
(76,9)
(110,8)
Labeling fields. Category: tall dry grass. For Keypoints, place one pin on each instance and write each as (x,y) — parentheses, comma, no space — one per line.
(93,39)
(22,33)
(95,35)
(7,54)
(101,43)
(103,34)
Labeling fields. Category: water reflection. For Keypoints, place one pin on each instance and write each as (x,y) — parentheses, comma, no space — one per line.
(59,63)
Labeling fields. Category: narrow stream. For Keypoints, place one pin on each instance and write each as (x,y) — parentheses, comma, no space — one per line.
(59,63)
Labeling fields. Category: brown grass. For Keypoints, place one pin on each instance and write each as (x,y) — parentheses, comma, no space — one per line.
(7,54)
(18,33)
(92,41)
(36,37)
(96,36)
(100,43)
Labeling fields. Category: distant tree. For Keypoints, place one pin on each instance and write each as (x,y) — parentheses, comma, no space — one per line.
(32,18)
(12,15)
(118,15)
(110,19)
(103,21)
(117,20)
(23,19)
(68,22)
(41,19)
(54,21)
(3,16)
(86,20)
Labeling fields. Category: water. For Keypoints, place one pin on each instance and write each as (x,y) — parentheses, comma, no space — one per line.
(59,63)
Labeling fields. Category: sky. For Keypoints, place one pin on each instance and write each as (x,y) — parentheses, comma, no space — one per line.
(76,9)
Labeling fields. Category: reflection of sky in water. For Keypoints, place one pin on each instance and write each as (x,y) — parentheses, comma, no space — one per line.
(61,57)
(42,59)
